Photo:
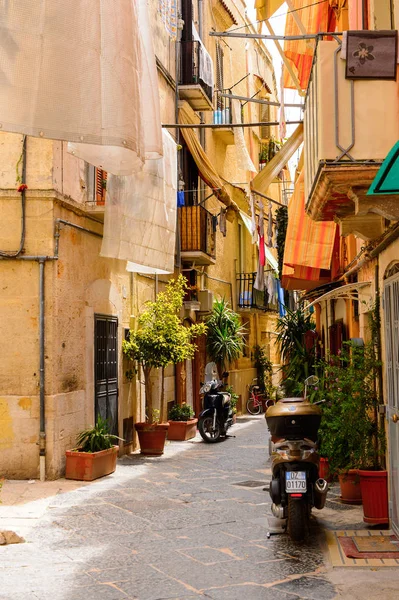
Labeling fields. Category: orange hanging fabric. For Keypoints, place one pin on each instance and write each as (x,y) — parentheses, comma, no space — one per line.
(308,246)
(315,18)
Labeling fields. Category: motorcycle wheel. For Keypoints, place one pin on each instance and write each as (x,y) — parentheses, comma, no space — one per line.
(207,432)
(253,410)
(298,515)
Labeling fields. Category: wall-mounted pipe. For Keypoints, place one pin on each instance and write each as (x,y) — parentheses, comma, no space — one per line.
(42,435)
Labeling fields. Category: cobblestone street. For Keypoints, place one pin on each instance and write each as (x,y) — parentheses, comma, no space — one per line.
(190,524)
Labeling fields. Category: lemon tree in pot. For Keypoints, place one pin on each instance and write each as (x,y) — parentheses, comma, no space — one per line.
(160,340)
(95,454)
(182,425)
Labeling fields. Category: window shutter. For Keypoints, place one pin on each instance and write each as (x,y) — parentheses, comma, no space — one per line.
(219,68)
(101,186)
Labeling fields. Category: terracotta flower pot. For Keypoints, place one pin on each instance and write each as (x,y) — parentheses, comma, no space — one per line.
(152,437)
(324,469)
(180,431)
(374,485)
(86,466)
(350,487)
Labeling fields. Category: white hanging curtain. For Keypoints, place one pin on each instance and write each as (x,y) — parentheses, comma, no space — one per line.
(140,214)
(244,160)
(76,71)
(205,61)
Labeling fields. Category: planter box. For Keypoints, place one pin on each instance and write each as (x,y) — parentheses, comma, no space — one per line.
(86,466)
(152,438)
(180,431)
(374,486)
(350,487)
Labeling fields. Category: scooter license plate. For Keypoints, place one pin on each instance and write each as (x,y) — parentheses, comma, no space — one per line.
(295,481)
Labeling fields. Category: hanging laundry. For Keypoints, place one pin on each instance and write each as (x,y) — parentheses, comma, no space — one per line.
(269,242)
(223,222)
(259,283)
(180,198)
(281,301)
(254,229)
(275,237)
(261,231)
(270,287)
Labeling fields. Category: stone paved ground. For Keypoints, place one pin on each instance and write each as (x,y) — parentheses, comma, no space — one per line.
(176,527)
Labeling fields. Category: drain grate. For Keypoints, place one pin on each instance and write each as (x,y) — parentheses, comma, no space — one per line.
(252,484)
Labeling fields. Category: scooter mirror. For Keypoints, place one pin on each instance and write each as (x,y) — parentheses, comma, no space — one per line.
(225,374)
(312,380)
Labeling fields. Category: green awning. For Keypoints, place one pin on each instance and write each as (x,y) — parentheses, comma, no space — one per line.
(387,179)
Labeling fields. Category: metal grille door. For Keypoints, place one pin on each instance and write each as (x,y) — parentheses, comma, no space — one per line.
(106,370)
(391,312)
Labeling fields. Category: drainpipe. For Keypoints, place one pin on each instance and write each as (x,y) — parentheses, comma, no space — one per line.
(42,435)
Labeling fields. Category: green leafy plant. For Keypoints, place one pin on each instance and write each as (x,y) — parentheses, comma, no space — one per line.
(181,412)
(298,361)
(264,372)
(234,398)
(350,435)
(225,336)
(161,339)
(96,438)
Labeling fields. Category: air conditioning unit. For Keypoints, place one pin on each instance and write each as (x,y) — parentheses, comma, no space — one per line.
(205,298)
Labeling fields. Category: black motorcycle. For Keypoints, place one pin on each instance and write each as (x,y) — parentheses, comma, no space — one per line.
(217,416)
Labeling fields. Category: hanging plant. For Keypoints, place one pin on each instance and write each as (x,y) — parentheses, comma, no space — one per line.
(282,223)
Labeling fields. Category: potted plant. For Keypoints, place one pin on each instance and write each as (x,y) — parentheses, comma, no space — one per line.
(225,335)
(263,156)
(95,454)
(373,477)
(349,433)
(160,340)
(182,425)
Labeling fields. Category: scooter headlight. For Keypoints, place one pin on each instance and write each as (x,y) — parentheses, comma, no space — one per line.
(205,388)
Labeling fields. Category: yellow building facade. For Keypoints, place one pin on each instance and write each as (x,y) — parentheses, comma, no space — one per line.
(63,307)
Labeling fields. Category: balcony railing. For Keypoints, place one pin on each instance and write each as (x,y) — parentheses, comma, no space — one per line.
(197,235)
(222,114)
(249,297)
(349,128)
(195,71)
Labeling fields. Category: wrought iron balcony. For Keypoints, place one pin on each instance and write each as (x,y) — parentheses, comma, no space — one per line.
(251,298)
(349,128)
(197,235)
(192,87)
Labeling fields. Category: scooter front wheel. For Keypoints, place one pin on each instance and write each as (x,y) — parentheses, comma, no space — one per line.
(208,432)
(298,519)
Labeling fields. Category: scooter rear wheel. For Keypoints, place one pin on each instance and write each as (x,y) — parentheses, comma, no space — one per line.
(298,519)
(208,433)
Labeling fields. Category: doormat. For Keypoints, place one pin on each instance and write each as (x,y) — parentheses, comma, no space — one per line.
(345,553)
(369,547)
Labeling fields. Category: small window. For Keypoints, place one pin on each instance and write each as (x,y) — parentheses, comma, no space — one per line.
(100,186)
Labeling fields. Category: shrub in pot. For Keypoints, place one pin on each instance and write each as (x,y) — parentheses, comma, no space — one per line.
(95,454)
(160,340)
(350,436)
(182,425)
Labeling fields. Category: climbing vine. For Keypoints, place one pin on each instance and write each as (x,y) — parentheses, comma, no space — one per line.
(282,222)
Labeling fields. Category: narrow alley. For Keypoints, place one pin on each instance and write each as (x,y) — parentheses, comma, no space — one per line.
(190,524)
